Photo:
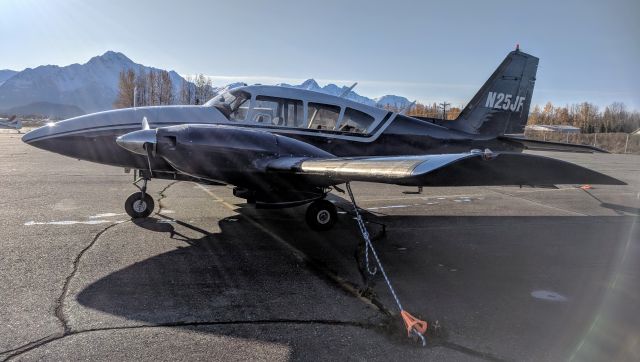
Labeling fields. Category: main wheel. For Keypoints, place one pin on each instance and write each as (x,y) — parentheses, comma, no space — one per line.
(321,215)
(137,206)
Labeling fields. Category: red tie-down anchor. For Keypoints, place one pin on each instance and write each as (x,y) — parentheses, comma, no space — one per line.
(414,325)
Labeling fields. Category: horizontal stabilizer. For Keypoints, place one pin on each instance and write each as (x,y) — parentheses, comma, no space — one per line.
(462,169)
(536,145)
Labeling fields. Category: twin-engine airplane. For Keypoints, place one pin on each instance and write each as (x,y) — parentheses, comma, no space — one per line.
(284,147)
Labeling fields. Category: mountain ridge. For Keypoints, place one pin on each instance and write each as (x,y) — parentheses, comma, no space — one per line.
(93,86)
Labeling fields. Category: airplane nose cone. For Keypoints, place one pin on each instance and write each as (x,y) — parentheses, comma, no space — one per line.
(37,136)
(135,141)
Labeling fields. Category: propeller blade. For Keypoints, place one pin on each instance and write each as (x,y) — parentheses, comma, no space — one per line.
(149,148)
(145,123)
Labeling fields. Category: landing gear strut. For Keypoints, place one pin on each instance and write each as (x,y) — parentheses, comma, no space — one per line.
(139,204)
(321,215)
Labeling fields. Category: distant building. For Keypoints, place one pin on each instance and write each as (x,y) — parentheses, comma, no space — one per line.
(553,128)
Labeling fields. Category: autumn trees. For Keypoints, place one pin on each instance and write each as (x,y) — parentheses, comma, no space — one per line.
(196,90)
(151,88)
(126,89)
(433,111)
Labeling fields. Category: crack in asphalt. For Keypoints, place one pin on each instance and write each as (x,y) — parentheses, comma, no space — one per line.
(59,311)
(37,341)
(328,322)
(163,196)
(59,303)
(56,337)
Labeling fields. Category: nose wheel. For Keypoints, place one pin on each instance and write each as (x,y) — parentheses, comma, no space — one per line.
(321,215)
(139,204)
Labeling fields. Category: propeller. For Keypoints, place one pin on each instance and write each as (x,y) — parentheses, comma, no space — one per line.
(145,123)
(148,146)
(141,142)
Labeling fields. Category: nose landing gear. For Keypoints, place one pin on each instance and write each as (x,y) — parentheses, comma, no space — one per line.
(139,204)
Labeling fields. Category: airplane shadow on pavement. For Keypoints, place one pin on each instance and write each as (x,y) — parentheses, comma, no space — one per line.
(476,275)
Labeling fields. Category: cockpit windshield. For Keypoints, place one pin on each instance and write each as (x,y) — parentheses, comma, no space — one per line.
(229,102)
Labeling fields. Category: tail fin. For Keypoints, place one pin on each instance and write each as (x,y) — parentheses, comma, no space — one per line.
(501,106)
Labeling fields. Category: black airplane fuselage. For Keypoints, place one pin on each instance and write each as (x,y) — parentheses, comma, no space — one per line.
(401,135)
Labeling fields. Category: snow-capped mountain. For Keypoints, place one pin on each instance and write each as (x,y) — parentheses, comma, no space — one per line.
(91,86)
(397,102)
(390,100)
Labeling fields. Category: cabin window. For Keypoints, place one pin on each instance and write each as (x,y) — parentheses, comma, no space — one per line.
(355,121)
(278,111)
(242,110)
(229,103)
(322,116)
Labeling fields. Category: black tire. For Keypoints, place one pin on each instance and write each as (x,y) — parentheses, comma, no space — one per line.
(137,207)
(321,215)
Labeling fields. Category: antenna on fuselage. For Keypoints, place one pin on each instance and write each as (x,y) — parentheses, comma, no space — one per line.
(346,91)
(407,108)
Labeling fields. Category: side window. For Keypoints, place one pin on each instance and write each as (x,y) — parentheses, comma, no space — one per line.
(355,121)
(322,116)
(241,109)
(278,111)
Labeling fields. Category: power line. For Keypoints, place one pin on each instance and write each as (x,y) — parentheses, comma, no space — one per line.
(444,106)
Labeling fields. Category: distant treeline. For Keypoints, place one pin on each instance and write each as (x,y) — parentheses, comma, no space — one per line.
(614,118)
(156,88)
(426,110)
(588,117)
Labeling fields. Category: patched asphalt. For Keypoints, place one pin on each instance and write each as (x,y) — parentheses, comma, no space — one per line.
(500,273)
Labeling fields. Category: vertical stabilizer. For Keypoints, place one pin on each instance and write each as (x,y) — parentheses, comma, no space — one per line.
(501,106)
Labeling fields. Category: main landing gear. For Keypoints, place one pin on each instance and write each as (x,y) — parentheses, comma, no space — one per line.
(321,215)
(139,204)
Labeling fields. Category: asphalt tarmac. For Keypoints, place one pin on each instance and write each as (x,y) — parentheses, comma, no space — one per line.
(500,273)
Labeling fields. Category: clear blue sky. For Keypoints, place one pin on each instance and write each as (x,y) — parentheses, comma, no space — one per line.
(429,51)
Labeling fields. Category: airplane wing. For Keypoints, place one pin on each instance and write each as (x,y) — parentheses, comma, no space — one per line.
(462,169)
(227,153)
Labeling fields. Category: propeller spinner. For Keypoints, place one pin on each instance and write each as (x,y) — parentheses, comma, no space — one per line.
(137,141)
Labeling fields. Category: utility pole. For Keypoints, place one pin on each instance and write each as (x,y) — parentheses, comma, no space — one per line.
(444,106)
(626,144)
